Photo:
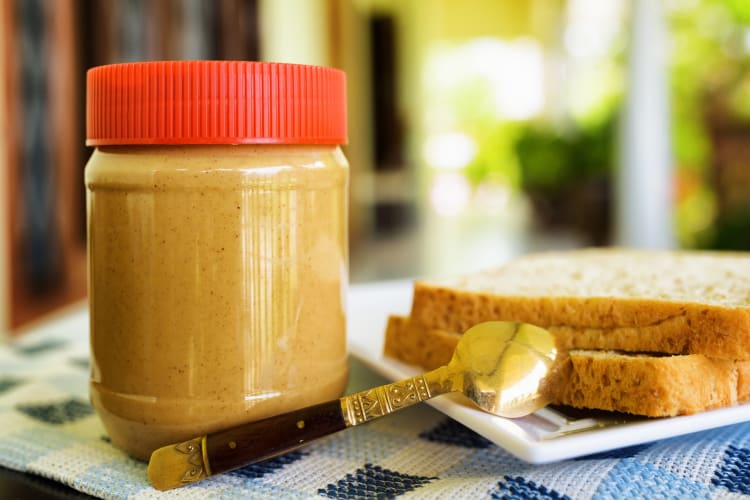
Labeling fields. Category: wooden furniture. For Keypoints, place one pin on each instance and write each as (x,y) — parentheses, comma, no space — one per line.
(42,201)
(45,49)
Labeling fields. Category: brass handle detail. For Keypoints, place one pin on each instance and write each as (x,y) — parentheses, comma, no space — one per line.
(364,406)
(196,463)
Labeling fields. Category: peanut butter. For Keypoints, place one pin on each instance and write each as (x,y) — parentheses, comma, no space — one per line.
(217,233)
(217,283)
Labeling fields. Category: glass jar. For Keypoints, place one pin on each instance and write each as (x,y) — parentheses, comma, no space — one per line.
(217,237)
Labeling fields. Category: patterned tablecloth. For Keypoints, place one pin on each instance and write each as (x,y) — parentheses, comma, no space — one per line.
(47,427)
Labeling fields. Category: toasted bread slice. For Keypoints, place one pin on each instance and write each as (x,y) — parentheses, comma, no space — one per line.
(675,302)
(641,384)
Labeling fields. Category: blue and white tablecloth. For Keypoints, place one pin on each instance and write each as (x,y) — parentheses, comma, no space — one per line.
(47,427)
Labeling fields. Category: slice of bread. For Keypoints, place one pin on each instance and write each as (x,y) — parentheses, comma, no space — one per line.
(640,384)
(676,302)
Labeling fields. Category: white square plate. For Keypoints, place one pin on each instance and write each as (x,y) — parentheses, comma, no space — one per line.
(545,436)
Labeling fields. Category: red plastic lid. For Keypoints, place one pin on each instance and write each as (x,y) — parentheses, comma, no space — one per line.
(215,102)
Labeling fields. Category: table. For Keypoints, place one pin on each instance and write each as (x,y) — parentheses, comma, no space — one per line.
(47,428)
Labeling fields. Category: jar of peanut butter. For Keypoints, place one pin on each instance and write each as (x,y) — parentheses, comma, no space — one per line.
(217,239)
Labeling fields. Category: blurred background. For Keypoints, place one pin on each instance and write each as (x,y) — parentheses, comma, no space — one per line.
(479,129)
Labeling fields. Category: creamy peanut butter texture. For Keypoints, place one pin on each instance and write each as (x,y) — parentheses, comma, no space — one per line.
(217,277)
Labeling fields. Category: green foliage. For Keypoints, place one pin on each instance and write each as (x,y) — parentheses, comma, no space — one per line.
(707,63)
(546,160)
(709,88)
(732,232)
(694,218)
(552,161)
(740,10)
(495,159)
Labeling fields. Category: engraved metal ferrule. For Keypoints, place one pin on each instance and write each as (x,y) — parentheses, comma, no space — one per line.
(196,464)
(367,405)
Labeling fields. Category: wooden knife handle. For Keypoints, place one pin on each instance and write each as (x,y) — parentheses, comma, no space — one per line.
(183,463)
(272,436)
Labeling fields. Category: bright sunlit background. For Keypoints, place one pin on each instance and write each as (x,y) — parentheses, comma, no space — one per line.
(507,113)
(479,129)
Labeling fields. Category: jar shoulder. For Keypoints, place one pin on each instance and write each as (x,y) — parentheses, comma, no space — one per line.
(213,165)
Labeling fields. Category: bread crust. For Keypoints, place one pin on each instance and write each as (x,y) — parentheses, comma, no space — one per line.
(647,385)
(627,324)
(653,386)
(415,345)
